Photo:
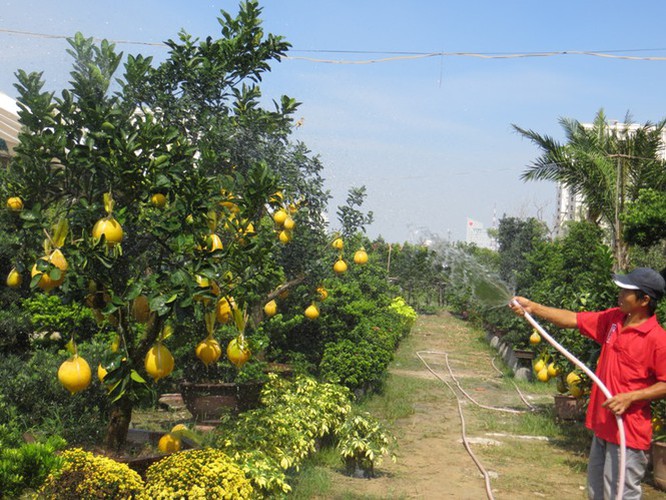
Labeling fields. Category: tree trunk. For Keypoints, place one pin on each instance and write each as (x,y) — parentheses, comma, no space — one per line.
(119,420)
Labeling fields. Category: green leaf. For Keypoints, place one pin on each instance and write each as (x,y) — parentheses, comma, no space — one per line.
(136,377)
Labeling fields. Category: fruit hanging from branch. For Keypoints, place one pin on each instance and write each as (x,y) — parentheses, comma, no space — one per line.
(14,278)
(74,374)
(361,257)
(340,266)
(238,352)
(158,362)
(108,227)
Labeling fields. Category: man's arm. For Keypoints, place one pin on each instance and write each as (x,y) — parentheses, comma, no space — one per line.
(558,317)
(619,403)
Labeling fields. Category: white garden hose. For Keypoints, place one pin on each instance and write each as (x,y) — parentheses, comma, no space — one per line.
(595,379)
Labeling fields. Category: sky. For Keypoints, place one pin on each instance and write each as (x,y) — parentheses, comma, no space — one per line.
(430,138)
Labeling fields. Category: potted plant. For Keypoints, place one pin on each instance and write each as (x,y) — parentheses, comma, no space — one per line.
(215,385)
(571,402)
(362,443)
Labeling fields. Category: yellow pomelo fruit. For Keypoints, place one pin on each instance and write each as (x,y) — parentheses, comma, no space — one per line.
(15,204)
(289,223)
(542,375)
(169,443)
(576,390)
(572,378)
(270,308)
(110,229)
(178,428)
(340,266)
(14,279)
(208,350)
(238,353)
(539,365)
(280,216)
(74,374)
(141,309)
(58,260)
(361,257)
(552,370)
(158,200)
(158,362)
(535,338)
(338,244)
(285,236)
(312,312)
(223,311)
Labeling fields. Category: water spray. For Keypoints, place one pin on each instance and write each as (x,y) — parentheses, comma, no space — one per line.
(596,380)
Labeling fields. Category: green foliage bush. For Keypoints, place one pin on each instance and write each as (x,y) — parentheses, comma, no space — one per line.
(87,476)
(359,327)
(571,273)
(363,442)
(277,437)
(49,315)
(32,397)
(404,310)
(25,466)
(204,473)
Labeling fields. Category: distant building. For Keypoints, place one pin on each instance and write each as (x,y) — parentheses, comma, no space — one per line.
(571,206)
(478,235)
(9,127)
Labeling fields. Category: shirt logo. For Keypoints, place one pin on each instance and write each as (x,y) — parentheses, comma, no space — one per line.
(610,333)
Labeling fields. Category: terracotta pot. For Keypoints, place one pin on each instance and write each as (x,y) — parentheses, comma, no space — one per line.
(569,408)
(207,402)
(659,464)
(523,353)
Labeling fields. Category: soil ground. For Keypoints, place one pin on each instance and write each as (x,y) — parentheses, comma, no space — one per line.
(432,461)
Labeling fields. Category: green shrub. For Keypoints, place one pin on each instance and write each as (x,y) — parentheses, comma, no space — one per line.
(404,310)
(356,365)
(31,396)
(205,473)
(87,476)
(360,358)
(27,466)
(363,442)
(572,273)
(269,441)
(49,315)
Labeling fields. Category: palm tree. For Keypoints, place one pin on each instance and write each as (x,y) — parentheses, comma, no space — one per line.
(607,164)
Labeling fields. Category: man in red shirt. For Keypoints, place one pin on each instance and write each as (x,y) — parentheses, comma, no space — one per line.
(632,365)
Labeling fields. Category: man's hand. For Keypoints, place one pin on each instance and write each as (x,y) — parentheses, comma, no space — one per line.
(619,403)
(525,306)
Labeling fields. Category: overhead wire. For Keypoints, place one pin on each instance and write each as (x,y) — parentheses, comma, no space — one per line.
(397,55)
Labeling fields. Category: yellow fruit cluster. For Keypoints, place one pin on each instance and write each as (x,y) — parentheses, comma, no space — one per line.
(282,217)
(340,266)
(545,371)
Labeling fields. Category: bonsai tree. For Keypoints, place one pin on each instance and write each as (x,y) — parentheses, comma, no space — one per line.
(153,200)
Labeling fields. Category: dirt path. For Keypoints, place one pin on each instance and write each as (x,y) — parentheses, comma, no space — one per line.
(433,462)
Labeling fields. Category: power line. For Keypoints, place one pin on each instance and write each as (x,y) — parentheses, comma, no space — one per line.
(398,55)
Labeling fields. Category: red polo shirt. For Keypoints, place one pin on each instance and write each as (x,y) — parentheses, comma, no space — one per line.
(631,358)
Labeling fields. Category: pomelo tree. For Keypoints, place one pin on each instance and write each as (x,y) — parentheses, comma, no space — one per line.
(150,196)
